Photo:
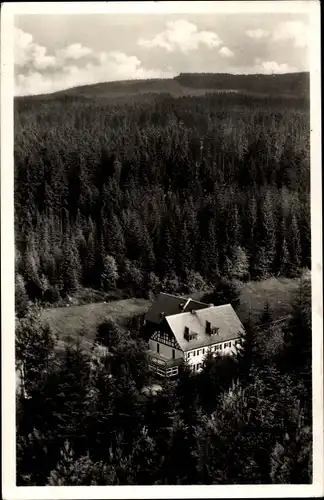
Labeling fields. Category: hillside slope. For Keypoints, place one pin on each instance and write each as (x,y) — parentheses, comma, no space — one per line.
(292,84)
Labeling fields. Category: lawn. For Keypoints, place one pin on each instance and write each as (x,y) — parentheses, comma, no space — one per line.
(83,320)
(279,292)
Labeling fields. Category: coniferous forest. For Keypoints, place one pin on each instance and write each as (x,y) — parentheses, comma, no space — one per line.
(139,195)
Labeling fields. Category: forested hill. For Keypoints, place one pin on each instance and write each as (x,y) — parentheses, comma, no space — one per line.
(163,192)
(291,84)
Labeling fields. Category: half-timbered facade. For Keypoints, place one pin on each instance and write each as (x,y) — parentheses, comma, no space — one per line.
(189,334)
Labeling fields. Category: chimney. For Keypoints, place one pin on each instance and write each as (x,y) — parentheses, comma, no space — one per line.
(208,327)
(193,311)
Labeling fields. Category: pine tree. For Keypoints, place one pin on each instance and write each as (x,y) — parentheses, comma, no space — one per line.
(184,252)
(246,352)
(34,349)
(209,256)
(67,397)
(294,243)
(114,238)
(144,460)
(268,233)
(71,266)
(31,272)
(298,333)
(267,315)
(167,258)
(21,298)
(33,458)
(235,227)
(291,460)
(90,257)
(82,471)
(251,228)
(240,263)
(110,273)
(283,253)
(261,264)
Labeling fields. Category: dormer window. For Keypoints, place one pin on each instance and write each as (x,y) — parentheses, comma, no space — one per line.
(189,335)
(214,330)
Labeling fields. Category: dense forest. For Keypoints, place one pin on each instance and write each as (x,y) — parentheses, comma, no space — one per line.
(159,193)
(135,195)
(90,420)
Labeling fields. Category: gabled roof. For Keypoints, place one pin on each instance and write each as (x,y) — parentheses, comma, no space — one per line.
(222,317)
(169,305)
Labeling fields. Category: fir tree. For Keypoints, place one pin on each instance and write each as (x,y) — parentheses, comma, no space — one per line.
(114,238)
(294,243)
(71,266)
(110,273)
(21,297)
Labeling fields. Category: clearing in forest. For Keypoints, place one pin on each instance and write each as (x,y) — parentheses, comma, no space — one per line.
(83,320)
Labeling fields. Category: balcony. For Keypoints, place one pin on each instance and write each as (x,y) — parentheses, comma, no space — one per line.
(164,367)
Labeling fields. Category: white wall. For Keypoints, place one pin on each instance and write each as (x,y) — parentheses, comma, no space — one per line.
(202,351)
(165,350)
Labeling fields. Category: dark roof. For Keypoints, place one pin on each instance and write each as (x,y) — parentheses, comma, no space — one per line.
(169,305)
(222,317)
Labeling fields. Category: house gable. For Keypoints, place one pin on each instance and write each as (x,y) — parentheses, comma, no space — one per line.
(205,327)
(164,335)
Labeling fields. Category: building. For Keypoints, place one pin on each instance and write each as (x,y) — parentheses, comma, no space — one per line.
(185,329)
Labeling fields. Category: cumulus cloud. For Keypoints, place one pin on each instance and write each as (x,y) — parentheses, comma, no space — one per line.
(226,52)
(296,31)
(26,52)
(257,33)
(181,35)
(37,72)
(272,67)
(75,51)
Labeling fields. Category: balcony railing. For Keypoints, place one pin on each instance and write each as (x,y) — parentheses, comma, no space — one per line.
(159,360)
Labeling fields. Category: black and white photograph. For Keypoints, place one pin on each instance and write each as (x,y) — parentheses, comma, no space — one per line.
(165,248)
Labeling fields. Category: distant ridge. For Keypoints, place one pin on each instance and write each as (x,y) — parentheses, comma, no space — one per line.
(288,84)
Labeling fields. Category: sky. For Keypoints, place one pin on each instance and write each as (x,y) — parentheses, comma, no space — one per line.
(55,52)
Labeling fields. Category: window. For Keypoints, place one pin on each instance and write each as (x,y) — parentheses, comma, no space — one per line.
(157,347)
(194,353)
(188,355)
(173,354)
(230,344)
(198,353)
(203,351)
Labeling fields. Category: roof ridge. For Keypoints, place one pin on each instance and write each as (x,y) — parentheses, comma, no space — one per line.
(198,301)
(188,300)
(172,295)
(199,311)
